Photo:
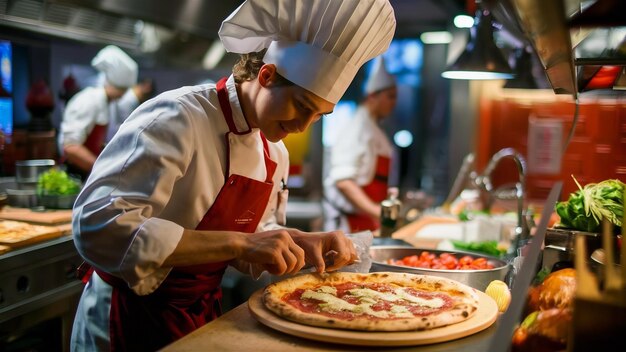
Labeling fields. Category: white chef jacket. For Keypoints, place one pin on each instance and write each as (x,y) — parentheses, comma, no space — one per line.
(159,174)
(119,110)
(353,156)
(87,108)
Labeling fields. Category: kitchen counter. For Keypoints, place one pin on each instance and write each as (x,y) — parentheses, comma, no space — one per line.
(238,330)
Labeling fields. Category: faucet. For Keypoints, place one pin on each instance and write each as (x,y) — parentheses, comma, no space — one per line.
(483,181)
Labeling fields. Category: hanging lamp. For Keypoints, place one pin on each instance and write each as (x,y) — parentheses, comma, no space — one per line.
(523,71)
(481,59)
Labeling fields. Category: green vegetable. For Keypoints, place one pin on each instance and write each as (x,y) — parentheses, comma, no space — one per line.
(57,182)
(486,247)
(541,275)
(529,320)
(467,215)
(585,208)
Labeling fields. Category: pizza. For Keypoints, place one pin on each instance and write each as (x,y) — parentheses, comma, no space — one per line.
(381,301)
(17,231)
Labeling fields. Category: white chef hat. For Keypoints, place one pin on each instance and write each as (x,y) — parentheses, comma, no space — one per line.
(379,78)
(317,44)
(119,69)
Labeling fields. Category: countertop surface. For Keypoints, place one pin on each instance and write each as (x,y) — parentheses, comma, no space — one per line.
(238,330)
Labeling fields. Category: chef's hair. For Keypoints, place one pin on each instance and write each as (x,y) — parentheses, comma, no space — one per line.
(248,66)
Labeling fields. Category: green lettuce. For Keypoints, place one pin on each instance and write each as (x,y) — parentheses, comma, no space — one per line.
(57,182)
(585,209)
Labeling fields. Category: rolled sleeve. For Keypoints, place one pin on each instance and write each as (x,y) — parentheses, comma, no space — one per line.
(156,239)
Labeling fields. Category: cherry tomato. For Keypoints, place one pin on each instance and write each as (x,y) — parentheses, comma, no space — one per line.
(466,260)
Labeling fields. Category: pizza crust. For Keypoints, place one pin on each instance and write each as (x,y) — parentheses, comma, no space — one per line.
(17,231)
(464,301)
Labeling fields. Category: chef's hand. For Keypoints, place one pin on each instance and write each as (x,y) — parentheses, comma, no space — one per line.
(333,246)
(274,250)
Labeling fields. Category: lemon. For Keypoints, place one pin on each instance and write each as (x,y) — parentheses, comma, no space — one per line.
(499,291)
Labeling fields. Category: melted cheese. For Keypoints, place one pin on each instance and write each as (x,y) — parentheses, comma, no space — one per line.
(399,294)
(368,297)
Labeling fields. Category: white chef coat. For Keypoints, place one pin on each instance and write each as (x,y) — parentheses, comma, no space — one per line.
(119,110)
(353,156)
(159,174)
(87,108)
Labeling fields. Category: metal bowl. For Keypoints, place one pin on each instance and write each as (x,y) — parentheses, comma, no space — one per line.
(478,279)
(65,201)
(28,171)
(22,198)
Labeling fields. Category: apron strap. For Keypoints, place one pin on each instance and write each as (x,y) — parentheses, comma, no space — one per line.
(270,165)
(222,95)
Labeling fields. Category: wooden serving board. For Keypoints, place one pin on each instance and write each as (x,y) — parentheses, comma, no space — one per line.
(4,249)
(16,234)
(486,315)
(48,217)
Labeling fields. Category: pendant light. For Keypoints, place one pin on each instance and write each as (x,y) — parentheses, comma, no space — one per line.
(523,71)
(481,58)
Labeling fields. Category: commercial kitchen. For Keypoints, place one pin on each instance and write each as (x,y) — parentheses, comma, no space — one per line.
(505,142)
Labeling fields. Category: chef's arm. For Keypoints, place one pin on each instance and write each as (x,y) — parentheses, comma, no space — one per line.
(355,194)
(79,156)
(274,250)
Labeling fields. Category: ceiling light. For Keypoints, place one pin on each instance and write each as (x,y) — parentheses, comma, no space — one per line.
(442,37)
(213,55)
(481,58)
(463,21)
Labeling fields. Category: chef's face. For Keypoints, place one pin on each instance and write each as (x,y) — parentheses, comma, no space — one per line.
(282,109)
(384,101)
(114,93)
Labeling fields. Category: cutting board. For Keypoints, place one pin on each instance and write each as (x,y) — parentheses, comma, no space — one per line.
(15,234)
(48,217)
(486,315)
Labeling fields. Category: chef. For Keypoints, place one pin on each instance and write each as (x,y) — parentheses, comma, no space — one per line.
(194,180)
(124,106)
(86,117)
(360,160)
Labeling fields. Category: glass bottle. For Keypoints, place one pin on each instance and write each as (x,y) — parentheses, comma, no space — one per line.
(390,212)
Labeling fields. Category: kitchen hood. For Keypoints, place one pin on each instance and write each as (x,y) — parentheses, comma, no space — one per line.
(574,39)
(176,33)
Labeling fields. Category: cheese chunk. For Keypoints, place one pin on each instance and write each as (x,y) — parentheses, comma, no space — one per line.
(368,297)
(399,294)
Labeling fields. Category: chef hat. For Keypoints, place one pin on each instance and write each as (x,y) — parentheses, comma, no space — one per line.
(379,78)
(119,69)
(317,44)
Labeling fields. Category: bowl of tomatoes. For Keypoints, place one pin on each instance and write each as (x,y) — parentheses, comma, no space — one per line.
(474,270)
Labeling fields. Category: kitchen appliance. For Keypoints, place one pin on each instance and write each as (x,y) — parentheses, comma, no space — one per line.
(38,295)
(478,279)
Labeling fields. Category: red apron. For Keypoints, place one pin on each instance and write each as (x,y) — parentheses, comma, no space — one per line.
(94,143)
(189,297)
(377,192)
(95,140)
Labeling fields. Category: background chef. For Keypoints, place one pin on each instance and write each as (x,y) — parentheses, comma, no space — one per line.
(192,181)
(360,161)
(86,116)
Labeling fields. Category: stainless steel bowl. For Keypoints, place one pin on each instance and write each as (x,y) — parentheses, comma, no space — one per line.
(65,201)
(28,171)
(22,198)
(478,279)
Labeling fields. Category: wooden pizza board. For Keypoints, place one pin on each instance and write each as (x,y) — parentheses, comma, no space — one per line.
(48,217)
(4,249)
(486,315)
(35,234)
